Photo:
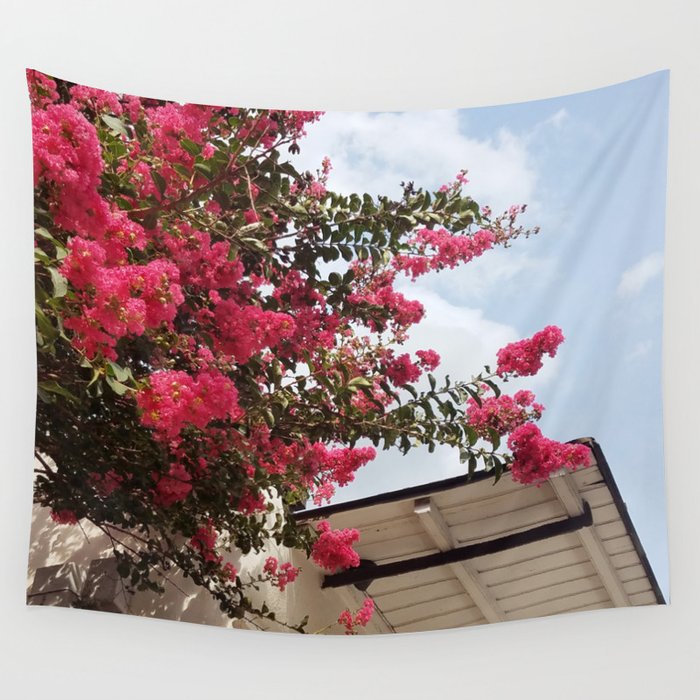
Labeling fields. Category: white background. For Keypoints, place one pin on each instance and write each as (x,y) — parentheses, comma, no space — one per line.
(357,54)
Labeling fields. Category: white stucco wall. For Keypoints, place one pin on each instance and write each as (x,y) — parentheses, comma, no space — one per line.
(53,545)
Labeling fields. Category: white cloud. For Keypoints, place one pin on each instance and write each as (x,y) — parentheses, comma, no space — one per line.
(465,339)
(375,152)
(635,278)
(558,118)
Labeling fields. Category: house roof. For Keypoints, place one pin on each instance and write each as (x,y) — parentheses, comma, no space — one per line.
(465,551)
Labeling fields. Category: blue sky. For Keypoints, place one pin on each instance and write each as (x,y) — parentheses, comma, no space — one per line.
(592,169)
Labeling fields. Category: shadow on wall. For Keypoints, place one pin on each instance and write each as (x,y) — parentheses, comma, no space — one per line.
(74,566)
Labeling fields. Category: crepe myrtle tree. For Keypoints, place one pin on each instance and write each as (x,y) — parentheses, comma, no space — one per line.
(217,332)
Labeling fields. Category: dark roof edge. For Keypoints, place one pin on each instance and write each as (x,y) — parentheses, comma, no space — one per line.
(607,475)
(391,496)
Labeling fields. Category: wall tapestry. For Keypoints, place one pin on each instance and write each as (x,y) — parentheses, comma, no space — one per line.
(348,373)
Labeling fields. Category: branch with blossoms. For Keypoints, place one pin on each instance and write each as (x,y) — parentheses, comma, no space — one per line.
(217,331)
(361,618)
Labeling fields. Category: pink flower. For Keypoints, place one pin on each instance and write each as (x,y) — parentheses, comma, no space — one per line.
(204,542)
(535,457)
(270,566)
(402,370)
(437,249)
(229,571)
(287,574)
(42,89)
(106,484)
(331,467)
(524,357)
(345,619)
(333,549)
(175,399)
(251,503)
(67,152)
(250,216)
(360,619)
(95,99)
(64,517)
(173,487)
(502,414)
(364,614)
(280,575)
(428,359)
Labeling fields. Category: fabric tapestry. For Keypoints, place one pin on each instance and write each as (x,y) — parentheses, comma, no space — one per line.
(348,372)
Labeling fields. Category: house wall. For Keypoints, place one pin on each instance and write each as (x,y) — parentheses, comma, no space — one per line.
(71,549)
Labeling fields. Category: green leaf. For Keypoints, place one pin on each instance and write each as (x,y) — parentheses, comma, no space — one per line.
(54,387)
(496,389)
(474,395)
(42,257)
(181,170)
(44,325)
(120,373)
(116,386)
(161,184)
(60,284)
(472,435)
(205,169)
(116,125)
(191,147)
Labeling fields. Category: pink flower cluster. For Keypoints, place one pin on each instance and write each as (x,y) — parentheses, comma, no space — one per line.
(536,457)
(377,291)
(295,121)
(67,153)
(96,100)
(118,301)
(68,162)
(437,249)
(403,370)
(360,619)
(204,542)
(502,413)
(333,549)
(172,487)
(281,575)
(335,466)
(428,359)
(251,503)
(203,264)
(524,357)
(42,89)
(170,123)
(105,484)
(174,399)
(245,329)
(64,517)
